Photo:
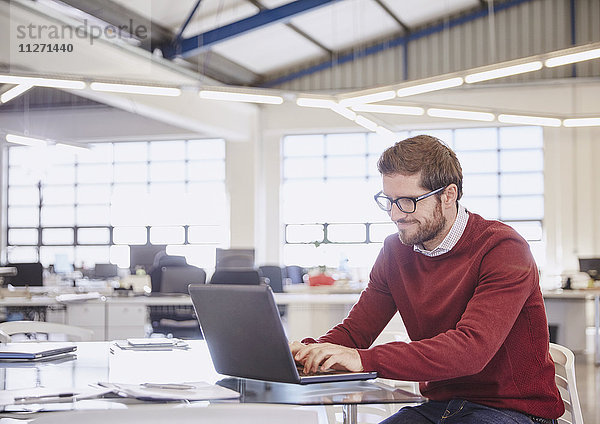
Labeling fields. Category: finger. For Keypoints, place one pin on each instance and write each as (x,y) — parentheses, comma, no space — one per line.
(317,358)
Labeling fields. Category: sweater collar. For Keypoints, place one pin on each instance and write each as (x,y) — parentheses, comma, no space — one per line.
(457,230)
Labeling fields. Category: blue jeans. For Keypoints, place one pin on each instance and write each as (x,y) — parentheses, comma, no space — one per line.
(456,411)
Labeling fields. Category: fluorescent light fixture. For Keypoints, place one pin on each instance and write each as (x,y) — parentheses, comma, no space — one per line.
(311,102)
(368,98)
(8,95)
(529,120)
(240,97)
(391,109)
(430,86)
(345,112)
(384,132)
(572,58)
(135,89)
(460,114)
(504,72)
(73,148)
(42,82)
(582,122)
(25,141)
(366,123)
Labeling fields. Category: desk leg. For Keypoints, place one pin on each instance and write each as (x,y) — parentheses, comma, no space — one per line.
(597,328)
(350,413)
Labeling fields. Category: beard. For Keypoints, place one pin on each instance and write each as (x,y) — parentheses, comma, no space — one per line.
(427,229)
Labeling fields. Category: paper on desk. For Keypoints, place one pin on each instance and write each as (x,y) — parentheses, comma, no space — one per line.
(199,391)
(43,395)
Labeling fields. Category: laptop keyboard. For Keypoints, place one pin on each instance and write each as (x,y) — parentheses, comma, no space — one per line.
(310,374)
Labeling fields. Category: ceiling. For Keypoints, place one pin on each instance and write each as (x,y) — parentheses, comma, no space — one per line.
(323,30)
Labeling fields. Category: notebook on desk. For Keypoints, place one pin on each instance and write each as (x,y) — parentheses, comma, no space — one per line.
(245,336)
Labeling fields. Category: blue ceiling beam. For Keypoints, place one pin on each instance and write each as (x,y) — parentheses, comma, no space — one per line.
(395,42)
(194,45)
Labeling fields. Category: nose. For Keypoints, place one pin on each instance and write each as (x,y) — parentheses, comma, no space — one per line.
(396,213)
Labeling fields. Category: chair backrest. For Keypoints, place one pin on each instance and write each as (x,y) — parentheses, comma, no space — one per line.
(227,276)
(73,333)
(163,260)
(275,275)
(564,363)
(175,279)
(295,274)
(106,270)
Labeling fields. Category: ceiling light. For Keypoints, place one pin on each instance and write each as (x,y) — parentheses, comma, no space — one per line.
(504,72)
(240,97)
(366,123)
(42,82)
(582,122)
(345,112)
(384,132)
(8,95)
(135,89)
(572,58)
(430,86)
(73,148)
(311,102)
(392,109)
(368,98)
(25,141)
(460,114)
(529,120)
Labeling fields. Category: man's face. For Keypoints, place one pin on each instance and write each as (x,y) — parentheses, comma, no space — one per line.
(426,224)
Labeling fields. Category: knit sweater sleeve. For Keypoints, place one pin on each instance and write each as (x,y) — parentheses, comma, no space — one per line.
(507,276)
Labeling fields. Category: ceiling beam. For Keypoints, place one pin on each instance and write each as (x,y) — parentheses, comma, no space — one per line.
(196,44)
(404,27)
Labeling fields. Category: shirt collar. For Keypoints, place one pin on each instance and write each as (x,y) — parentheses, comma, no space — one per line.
(457,230)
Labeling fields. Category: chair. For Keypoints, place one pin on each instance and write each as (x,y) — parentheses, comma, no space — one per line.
(180,321)
(213,413)
(162,260)
(227,276)
(73,333)
(275,275)
(564,363)
(295,274)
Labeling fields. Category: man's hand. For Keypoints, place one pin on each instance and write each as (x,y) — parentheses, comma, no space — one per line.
(326,356)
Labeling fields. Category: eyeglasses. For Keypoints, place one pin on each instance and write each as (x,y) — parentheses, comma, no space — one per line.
(405,204)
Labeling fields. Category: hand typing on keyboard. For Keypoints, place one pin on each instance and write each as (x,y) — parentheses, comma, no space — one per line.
(323,356)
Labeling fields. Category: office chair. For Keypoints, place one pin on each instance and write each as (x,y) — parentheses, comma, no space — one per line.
(106,270)
(275,275)
(564,363)
(295,274)
(28,328)
(162,260)
(227,276)
(180,321)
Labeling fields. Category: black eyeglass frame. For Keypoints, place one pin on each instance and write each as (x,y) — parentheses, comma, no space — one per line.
(396,201)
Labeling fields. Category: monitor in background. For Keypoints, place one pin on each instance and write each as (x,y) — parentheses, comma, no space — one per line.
(106,270)
(142,256)
(234,259)
(591,266)
(28,274)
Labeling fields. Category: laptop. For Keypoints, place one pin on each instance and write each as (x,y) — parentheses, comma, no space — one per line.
(245,336)
(34,351)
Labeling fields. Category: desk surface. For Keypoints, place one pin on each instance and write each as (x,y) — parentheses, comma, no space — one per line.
(96,362)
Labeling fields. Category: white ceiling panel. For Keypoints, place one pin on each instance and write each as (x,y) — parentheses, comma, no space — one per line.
(347,23)
(268,49)
(414,13)
(206,19)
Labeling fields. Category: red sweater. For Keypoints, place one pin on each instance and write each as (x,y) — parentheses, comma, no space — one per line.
(475,316)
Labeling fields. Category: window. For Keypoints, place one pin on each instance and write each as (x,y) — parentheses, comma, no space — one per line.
(89,207)
(329,181)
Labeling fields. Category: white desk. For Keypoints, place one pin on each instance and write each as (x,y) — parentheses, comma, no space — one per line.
(96,363)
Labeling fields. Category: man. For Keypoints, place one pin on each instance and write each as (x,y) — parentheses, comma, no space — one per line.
(468,292)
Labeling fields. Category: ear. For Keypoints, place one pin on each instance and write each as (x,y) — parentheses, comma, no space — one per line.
(449,196)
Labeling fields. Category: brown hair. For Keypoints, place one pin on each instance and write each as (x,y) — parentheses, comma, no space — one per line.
(428,155)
